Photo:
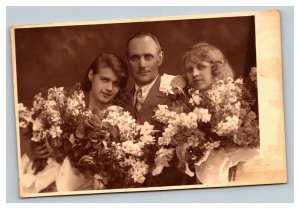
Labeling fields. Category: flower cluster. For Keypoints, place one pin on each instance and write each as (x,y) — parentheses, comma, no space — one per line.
(223,101)
(181,137)
(112,146)
(221,116)
(53,118)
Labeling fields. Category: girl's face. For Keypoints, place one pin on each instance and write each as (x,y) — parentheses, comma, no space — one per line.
(105,85)
(199,73)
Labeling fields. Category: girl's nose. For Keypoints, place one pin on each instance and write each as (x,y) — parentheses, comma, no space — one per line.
(109,86)
(195,71)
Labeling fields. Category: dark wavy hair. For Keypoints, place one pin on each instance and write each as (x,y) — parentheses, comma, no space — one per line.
(112,61)
(209,53)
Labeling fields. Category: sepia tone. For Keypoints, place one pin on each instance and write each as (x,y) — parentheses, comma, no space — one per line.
(59,54)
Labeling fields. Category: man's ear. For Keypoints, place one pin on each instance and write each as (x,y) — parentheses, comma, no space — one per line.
(160,58)
(91,75)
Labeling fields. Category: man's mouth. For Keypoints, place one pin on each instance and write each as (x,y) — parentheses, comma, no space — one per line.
(144,72)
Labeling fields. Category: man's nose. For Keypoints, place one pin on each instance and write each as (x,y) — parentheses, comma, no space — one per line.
(142,62)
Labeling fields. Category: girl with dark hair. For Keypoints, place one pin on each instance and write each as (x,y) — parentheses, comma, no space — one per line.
(104,82)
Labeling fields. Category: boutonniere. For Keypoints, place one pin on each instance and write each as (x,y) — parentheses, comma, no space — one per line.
(165,84)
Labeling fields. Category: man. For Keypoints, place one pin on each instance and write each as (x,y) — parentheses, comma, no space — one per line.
(145,56)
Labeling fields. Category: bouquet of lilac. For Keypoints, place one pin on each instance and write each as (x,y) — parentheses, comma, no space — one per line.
(110,149)
(50,123)
(219,118)
(53,118)
(107,150)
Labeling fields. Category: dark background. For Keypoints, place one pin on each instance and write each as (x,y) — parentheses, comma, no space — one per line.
(59,56)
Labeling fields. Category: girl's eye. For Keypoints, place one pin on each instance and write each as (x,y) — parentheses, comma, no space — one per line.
(104,79)
(116,84)
(200,67)
(189,69)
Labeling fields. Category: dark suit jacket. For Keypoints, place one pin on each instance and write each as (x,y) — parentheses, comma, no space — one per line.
(154,98)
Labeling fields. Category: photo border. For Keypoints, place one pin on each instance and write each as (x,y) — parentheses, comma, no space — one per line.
(269,68)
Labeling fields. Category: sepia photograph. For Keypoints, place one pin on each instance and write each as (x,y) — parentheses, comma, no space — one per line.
(179,102)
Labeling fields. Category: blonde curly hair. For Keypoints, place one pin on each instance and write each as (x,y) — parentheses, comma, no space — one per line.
(206,52)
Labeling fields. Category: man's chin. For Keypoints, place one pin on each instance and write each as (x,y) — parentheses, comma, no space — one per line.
(144,81)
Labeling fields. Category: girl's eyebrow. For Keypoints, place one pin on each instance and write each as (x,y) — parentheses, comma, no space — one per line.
(103,76)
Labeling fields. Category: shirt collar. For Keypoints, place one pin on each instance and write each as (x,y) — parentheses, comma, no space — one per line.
(146,88)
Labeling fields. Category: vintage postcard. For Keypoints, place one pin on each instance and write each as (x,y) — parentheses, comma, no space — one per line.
(149,104)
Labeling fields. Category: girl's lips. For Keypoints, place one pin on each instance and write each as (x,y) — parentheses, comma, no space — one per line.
(198,81)
(106,94)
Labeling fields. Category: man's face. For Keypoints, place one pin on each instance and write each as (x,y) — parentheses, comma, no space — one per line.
(144,58)
(198,74)
(105,85)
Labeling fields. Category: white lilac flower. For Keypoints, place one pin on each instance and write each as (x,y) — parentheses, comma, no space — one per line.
(25,115)
(50,104)
(37,125)
(56,94)
(55,117)
(230,124)
(124,121)
(211,145)
(167,135)
(163,114)
(76,104)
(169,132)
(191,120)
(238,82)
(55,131)
(22,108)
(232,99)
(196,99)
(138,169)
(146,128)
(37,136)
(132,148)
(163,156)
(38,102)
(147,139)
(202,114)
(116,109)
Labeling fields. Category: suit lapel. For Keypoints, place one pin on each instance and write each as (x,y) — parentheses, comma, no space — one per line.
(129,105)
(151,98)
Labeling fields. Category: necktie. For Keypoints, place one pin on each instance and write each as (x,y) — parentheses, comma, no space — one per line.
(138,100)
